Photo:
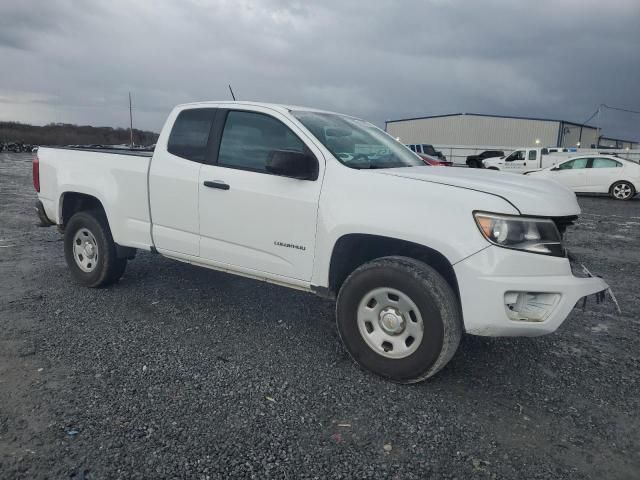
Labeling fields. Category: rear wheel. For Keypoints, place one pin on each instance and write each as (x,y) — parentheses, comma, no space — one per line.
(399,318)
(622,191)
(90,251)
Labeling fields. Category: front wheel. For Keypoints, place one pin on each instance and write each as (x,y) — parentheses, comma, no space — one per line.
(622,191)
(90,251)
(399,318)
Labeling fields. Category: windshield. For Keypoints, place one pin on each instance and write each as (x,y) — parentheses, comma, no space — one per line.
(356,143)
(429,150)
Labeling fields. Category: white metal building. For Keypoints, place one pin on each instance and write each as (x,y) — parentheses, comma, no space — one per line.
(476,130)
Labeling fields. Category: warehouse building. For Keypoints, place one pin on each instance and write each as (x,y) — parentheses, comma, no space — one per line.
(476,130)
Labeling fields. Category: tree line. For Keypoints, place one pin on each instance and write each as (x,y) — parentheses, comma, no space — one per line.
(69,134)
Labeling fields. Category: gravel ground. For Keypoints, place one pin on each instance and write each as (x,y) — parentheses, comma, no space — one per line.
(183,372)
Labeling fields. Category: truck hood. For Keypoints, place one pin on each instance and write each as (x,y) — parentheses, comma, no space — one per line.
(530,196)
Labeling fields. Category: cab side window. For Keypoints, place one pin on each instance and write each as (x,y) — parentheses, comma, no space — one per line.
(249,138)
(532,154)
(190,134)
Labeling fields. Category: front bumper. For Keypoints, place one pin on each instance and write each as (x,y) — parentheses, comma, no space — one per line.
(489,277)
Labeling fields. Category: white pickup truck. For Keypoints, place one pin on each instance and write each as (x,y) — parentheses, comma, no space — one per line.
(326,203)
(524,160)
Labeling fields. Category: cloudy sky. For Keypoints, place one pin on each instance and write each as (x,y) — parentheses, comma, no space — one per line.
(74,61)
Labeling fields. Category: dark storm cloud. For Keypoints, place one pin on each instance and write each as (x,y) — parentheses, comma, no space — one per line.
(379,60)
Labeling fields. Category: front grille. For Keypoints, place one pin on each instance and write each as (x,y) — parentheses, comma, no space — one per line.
(563,222)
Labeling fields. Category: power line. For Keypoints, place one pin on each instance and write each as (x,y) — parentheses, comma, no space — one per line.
(620,109)
(592,115)
(610,108)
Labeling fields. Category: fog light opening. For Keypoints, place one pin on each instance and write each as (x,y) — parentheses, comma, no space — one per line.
(530,306)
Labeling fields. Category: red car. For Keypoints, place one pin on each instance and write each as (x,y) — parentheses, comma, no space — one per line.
(434,162)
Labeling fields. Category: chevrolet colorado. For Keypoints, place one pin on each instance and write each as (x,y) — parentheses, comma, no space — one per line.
(326,203)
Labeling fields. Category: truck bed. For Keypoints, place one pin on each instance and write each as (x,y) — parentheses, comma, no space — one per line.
(117,151)
(117,178)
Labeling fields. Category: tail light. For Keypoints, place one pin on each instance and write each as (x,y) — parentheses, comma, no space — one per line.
(36,172)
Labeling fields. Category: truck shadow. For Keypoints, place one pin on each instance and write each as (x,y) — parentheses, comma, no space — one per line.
(263,308)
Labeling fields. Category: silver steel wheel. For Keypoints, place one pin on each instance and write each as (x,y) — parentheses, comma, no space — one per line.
(390,323)
(622,191)
(85,250)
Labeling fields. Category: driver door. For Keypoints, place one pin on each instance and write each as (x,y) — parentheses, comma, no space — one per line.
(252,219)
(515,162)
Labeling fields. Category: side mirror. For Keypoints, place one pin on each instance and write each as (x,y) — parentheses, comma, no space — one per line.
(555,168)
(287,163)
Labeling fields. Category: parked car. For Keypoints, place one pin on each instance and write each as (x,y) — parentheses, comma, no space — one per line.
(596,174)
(475,161)
(329,204)
(426,149)
(433,161)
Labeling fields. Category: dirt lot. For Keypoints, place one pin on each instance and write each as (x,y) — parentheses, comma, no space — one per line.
(183,372)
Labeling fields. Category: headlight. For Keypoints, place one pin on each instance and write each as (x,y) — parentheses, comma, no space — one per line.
(536,235)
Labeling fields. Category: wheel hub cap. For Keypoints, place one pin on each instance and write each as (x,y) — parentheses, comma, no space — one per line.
(89,250)
(391,321)
(85,250)
(622,191)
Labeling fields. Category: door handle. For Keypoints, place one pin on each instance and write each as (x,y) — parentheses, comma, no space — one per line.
(216,184)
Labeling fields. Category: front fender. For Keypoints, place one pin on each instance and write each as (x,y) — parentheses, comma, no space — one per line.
(433,215)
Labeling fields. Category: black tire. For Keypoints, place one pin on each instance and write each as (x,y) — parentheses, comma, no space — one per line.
(473,163)
(108,268)
(437,304)
(617,196)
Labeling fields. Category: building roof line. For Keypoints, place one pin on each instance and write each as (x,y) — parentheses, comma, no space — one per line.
(602,137)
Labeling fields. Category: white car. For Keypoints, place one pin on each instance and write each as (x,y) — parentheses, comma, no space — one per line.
(596,174)
(330,204)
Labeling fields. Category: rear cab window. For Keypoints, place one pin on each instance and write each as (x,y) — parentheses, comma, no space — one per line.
(190,134)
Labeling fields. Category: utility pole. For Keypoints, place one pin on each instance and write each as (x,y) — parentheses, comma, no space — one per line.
(598,127)
(130,121)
